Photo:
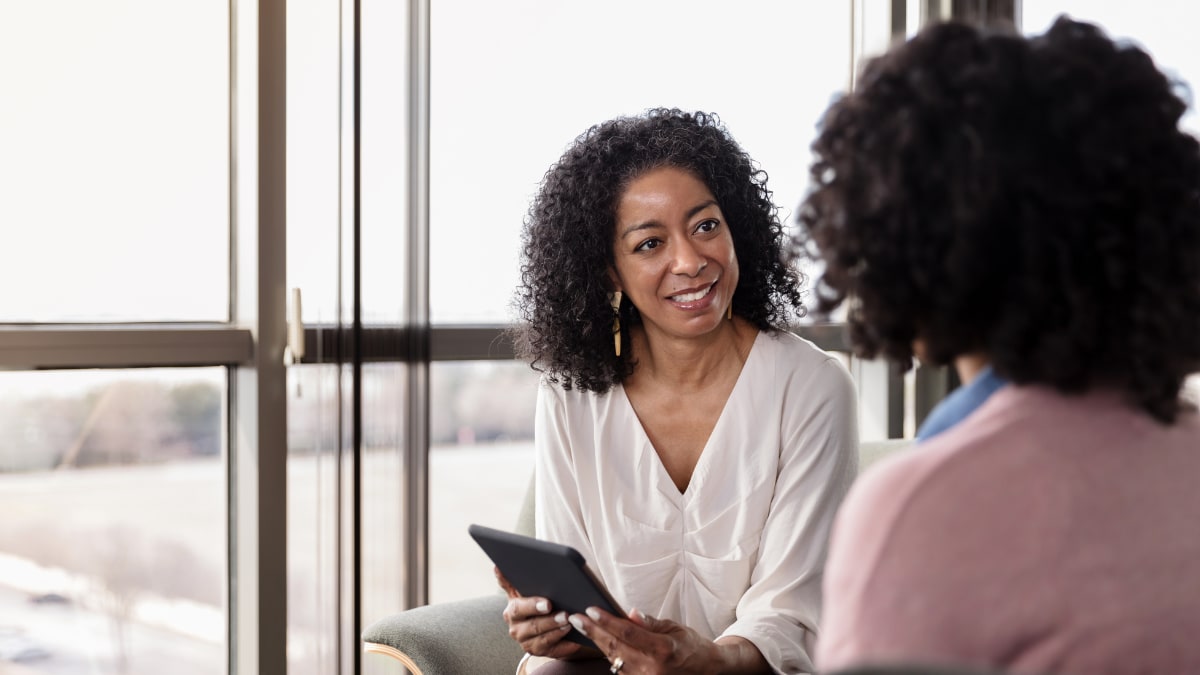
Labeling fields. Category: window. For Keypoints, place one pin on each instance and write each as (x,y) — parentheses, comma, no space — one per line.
(480,465)
(114,490)
(114,138)
(516,82)
(130,421)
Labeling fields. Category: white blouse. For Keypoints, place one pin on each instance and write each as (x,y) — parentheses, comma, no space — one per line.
(742,549)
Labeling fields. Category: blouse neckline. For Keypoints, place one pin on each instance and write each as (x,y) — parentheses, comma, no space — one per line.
(665,485)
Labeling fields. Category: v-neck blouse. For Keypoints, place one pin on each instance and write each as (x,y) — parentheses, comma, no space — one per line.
(740,551)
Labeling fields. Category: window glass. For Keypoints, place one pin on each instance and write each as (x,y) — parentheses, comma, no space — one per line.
(515,82)
(384,398)
(319,494)
(1167,32)
(114,160)
(480,466)
(321,162)
(384,160)
(113,545)
(312,518)
(313,158)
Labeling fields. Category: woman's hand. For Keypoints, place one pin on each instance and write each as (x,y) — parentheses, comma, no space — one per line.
(531,623)
(648,646)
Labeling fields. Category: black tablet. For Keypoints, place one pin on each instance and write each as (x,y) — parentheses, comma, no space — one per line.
(547,570)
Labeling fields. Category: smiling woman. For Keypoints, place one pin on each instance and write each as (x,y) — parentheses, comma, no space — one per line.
(654,297)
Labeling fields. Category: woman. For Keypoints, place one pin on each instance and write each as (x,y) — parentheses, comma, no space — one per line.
(1028,210)
(691,449)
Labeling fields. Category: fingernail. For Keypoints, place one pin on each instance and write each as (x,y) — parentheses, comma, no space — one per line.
(593,613)
(577,623)
(543,606)
(561,617)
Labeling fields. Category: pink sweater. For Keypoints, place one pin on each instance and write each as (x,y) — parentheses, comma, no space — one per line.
(1043,534)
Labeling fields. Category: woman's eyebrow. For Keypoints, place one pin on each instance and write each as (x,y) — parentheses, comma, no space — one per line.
(638,227)
(700,207)
(654,223)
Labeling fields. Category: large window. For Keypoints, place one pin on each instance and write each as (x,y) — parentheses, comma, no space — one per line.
(114,138)
(115,201)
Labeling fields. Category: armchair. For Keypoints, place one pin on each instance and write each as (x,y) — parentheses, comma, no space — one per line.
(470,636)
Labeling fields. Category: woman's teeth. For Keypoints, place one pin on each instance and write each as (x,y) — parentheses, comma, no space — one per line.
(692,297)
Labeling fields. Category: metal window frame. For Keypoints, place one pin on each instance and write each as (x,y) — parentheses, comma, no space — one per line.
(258,405)
(29,347)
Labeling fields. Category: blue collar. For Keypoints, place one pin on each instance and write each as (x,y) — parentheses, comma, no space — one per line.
(960,403)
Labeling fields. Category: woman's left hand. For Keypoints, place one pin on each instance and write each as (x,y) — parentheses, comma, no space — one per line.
(647,646)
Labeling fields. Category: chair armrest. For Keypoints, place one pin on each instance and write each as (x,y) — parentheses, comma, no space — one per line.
(448,638)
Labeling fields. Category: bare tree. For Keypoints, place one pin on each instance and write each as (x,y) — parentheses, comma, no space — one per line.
(118,563)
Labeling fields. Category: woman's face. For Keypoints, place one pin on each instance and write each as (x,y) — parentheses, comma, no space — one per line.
(674,256)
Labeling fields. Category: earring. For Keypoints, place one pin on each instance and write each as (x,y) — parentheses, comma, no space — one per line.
(615,300)
(729,313)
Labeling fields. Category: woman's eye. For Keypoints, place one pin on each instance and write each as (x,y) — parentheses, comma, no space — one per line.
(708,225)
(647,245)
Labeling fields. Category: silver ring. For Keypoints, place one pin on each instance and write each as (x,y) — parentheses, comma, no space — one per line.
(617,664)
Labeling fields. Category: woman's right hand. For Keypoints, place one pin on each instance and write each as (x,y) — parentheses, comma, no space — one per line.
(531,623)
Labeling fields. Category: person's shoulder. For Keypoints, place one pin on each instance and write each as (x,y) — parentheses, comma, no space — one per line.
(573,397)
(786,350)
(547,386)
(963,467)
(797,362)
(942,457)
(888,484)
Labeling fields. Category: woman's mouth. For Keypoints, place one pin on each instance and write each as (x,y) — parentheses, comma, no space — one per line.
(694,295)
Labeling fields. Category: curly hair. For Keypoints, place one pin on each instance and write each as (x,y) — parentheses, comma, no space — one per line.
(565,327)
(1033,199)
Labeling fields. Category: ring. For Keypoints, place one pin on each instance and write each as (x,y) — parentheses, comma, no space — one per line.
(617,664)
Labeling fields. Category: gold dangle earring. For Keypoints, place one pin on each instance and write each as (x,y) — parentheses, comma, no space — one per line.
(729,313)
(615,300)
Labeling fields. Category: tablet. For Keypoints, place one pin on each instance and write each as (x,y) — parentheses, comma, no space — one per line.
(544,569)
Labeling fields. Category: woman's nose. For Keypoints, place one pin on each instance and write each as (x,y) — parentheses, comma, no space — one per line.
(688,261)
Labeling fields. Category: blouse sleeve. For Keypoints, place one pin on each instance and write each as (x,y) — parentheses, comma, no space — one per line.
(558,513)
(780,611)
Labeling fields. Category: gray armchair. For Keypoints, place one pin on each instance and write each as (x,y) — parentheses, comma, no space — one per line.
(469,637)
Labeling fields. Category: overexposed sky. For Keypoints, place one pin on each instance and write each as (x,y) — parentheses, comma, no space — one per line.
(114,201)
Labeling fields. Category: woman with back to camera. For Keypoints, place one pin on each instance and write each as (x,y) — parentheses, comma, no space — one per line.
(687,445)
(1029,206)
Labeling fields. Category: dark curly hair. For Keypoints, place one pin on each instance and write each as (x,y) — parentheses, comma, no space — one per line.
(565,327)
(1033,199)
